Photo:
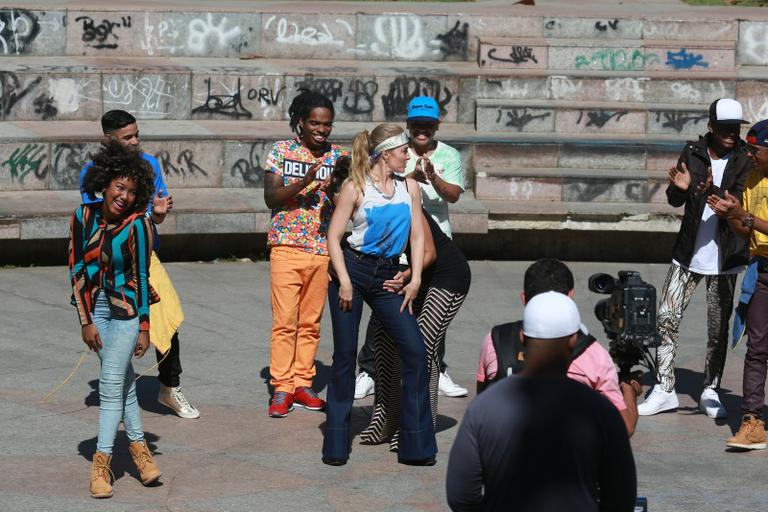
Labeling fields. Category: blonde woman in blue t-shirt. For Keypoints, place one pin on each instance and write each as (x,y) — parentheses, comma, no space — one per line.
(385,213)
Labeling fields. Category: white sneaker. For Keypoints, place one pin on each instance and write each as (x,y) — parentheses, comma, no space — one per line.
(709,404)
(175,400)
(364,385)
(658,401)
(446,387)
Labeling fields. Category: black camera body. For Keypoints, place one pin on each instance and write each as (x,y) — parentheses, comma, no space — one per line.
(628,317)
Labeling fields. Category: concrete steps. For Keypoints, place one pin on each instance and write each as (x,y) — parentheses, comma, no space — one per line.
(34,215)
(600,100)
(587,117)
(608,54)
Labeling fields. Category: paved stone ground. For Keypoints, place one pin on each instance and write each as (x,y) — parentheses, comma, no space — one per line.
(235,458)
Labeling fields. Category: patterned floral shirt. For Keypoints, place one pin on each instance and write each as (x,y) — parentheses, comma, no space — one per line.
(301,222)
(113,258)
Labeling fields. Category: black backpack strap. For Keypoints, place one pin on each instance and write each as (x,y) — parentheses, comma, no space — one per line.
(510,352)
(582,343)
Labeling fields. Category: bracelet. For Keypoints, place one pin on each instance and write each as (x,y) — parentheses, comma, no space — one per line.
(748,221)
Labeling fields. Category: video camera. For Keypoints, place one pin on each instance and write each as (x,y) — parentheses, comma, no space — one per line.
(629,319)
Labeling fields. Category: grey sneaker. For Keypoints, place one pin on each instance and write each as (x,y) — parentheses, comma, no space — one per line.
(175,400)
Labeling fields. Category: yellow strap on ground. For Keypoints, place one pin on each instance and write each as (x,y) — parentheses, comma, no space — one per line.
(71,374)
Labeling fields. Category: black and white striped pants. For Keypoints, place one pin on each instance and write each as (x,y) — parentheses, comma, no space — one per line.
(675,296)
(435,309)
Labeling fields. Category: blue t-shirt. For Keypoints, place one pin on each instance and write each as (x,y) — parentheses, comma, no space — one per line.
(159,187)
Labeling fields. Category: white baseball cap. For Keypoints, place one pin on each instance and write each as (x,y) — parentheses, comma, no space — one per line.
(726,111)
(551,315)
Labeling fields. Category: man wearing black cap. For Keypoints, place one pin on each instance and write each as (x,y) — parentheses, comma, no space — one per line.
(541,441)
(705,248)
(751,222)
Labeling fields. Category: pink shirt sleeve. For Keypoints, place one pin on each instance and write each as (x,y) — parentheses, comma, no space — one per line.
(488,366)
(595,368)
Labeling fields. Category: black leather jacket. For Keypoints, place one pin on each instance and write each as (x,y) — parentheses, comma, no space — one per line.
(733,249)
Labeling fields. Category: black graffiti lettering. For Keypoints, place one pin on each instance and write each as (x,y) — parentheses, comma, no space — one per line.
(265,95)
(43,105)
(26,160)
(250,170)
(599,118)
(68,159)
(635,192)
(602,27)
(497,83)
(183,165)
(586,191)
(405,88)
(361,96)
(332,88)
(12,90)
(519,117)
(18,28)
(228,105)
(455,42)
(550,24)
(517,55)
(677,120)
(96,35)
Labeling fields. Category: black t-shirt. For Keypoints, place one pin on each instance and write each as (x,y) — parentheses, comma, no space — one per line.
(541,444)
(450,271)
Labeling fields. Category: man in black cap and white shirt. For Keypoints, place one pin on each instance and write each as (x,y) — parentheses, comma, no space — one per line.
(539,441)
(706,248)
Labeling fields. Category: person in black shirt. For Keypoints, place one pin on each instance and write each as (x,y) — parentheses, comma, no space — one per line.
(541,441)
(446,279)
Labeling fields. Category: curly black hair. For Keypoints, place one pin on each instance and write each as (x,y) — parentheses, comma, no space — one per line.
(338,176)
(113,161)
(303,104)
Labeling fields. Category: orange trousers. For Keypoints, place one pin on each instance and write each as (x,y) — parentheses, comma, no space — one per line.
(299,288)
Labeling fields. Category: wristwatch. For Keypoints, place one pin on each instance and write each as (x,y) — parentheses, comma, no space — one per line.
(748,221)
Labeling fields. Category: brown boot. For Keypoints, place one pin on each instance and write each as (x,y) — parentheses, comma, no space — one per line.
(100,476)
(142,457)
(751,434)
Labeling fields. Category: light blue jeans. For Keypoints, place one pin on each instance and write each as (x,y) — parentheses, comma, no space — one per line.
(117,382)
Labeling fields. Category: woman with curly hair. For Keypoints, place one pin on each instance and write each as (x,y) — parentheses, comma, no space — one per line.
(110,244)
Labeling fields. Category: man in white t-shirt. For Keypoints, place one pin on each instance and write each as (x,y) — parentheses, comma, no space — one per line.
(434,164)
(705,248)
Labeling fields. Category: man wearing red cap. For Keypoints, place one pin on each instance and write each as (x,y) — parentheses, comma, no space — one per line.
(751,222)
(705,248)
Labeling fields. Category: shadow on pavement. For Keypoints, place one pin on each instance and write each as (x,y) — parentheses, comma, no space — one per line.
(146,392)
(319,383)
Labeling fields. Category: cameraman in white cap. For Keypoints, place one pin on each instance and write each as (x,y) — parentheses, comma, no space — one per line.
(539,440)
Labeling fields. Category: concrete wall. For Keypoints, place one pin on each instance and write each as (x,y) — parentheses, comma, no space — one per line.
(387,36)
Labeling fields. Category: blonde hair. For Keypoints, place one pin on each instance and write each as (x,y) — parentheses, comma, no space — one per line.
(363,145)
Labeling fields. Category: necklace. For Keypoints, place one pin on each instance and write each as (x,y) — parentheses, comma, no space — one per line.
(377,189)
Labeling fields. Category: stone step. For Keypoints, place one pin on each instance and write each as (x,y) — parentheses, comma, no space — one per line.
(590,116)
(257,90)
(573,185)
(587,216)
(46,214)
(47,155)
(608,54)
(338,30)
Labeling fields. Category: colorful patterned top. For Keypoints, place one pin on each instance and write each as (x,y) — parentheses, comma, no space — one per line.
(113,258)
(302,221)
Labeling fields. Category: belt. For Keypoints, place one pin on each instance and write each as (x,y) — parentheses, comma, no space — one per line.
(372,257)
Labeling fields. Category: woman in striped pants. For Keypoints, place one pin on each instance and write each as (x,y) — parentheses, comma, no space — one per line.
(445,283)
